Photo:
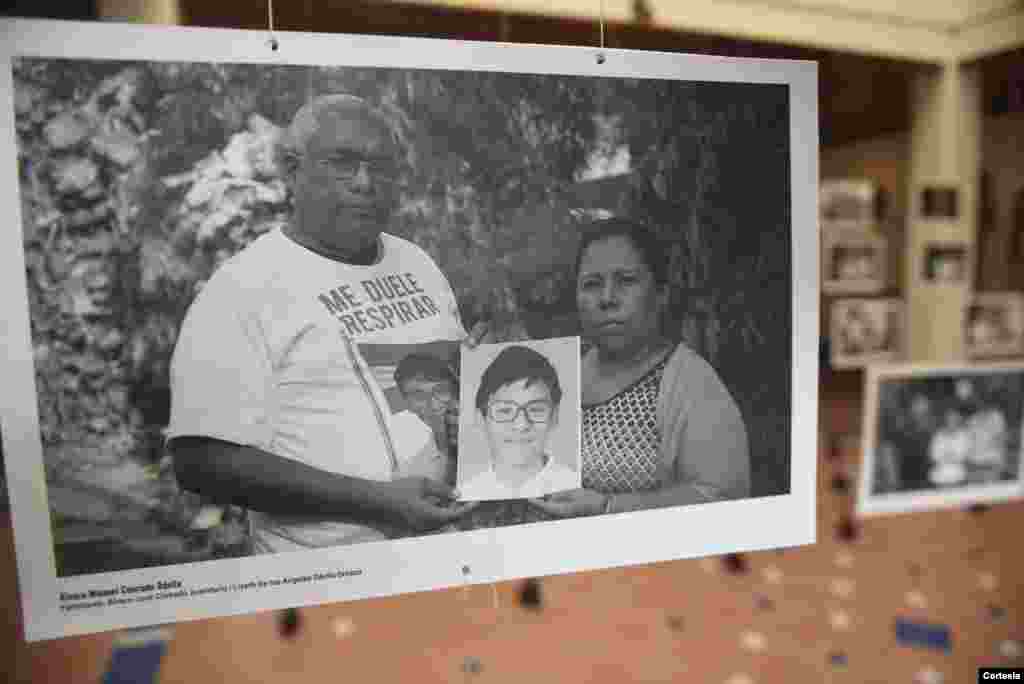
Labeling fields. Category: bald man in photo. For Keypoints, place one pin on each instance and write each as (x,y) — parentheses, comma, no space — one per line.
(273,407)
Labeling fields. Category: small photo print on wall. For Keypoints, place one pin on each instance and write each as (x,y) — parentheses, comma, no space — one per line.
(941,436)
(945,263)
(519,420)
(994,325)
(848,202)
(864,331)
(854,263)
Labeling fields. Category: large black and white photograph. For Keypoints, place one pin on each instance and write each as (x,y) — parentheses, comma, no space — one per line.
(519,426)
(940,436)
(866,330)
(994,325)
(854,262)
(247,285)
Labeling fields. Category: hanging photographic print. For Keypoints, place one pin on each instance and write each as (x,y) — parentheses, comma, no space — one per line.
(866,330)
(243,287)
(854,262)
(848,203)
(941,435)
(994,325)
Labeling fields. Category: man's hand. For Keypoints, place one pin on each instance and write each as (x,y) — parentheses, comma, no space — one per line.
(496,330)
(423,504)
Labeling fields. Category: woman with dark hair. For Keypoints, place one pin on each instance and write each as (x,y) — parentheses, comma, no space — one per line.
(659,426)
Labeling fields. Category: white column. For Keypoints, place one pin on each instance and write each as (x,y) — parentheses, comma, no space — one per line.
(945,150)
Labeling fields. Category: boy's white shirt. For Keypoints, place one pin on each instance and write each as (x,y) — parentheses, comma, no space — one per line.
(551,479)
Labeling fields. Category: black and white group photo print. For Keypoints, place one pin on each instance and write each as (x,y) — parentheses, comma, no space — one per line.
(994,325)
(854,261)
(866,330)
(519,426)
(939,436)
(248,286)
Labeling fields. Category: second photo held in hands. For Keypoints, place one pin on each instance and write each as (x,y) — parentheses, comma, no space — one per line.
(519,420)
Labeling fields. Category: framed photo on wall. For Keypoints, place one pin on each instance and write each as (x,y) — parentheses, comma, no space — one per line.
(240,282)
(938,436)
(994,325)
(867,330)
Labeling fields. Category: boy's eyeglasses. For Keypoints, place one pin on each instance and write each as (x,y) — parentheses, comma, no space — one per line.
(538,411)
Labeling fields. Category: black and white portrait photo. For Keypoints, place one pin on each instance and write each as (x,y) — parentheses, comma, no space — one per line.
(252,293)
(994,325)
(864,330)
(848,203)
(941,436)
(520,423)
(854,262)
(945,264)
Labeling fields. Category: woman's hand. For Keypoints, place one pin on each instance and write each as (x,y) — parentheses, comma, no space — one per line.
(572,504)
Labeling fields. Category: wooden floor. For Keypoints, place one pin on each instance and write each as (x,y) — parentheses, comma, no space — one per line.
(823,613)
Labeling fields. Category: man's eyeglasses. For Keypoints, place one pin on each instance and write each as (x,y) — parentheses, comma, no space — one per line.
(347,166)
(538,411)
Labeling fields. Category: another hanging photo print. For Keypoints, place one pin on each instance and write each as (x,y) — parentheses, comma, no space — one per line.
(994,325)
(865,330)
(519,420)
(848,203)
(938,436)
(854,262)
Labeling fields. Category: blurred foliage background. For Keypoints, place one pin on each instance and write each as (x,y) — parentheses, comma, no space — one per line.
(139,179)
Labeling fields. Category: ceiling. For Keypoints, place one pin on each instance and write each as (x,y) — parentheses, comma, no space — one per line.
(940,14)
(859,96)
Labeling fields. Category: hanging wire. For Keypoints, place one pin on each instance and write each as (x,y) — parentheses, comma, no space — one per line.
(270,25)
(600,55)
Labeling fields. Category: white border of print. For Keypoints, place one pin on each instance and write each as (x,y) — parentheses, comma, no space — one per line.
(904,502)
(846,361)
(1006,301)
(418,564)
(854,237)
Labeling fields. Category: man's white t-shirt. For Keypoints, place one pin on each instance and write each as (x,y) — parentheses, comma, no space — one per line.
(290,352)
